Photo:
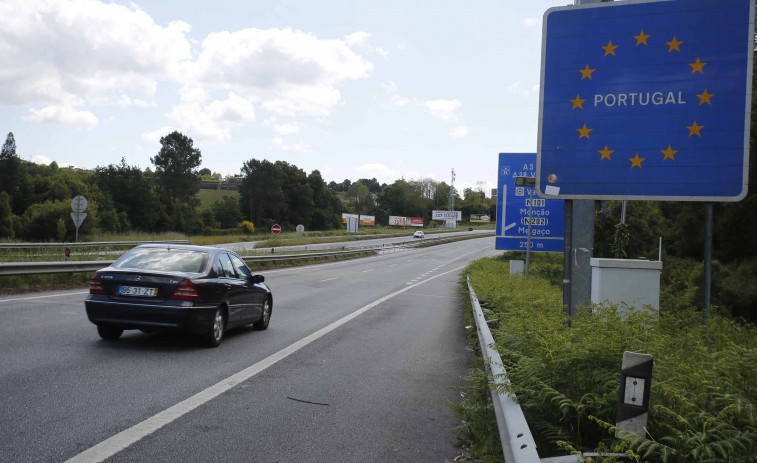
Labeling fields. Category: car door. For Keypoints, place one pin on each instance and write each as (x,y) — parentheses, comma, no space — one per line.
(234,287)
(254,294)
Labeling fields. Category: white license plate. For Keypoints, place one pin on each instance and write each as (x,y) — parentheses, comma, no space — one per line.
(137,291)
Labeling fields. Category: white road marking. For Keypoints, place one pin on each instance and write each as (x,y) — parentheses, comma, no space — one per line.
(327,279)
(42,297)
(369,270)
(126,438)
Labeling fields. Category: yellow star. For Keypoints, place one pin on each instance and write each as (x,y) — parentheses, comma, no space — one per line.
(705,97)
(641,38)
(697,66)
(694,129)
(584,132)
(586,72)
(610,48)
(669,153)
(674,44)
(579,103)
(605,153)
(636,161)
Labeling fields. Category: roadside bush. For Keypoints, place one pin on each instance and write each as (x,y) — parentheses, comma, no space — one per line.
(566,376)
(247,227)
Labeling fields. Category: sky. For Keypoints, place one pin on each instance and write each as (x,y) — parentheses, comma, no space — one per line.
(355,89)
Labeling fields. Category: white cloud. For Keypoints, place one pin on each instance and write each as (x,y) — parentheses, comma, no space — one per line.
(296,147)
(377,171)
(459,132)
(517,88)
(40,159)
(63,115)
(213,122)
(390,86)
(289,72)
(443,109)
(126,101)
(70,52)
(155,135)
(357,38)
(532,22)
(286,129)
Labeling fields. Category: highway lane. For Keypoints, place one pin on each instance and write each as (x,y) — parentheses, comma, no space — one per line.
(372,388)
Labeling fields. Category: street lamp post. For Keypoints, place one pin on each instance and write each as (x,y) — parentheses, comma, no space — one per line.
(529,182)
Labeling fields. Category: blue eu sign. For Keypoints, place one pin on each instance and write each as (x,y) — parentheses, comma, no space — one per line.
(547,215)
(646,100)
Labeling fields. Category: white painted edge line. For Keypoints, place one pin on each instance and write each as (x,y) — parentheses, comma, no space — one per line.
(127,437)
(42,297)
(327,279)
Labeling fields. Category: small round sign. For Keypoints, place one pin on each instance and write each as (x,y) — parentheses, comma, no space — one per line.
(300,229)
(79,203)
(276,229)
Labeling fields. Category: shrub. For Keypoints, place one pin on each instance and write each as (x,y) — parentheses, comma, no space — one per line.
(247,227)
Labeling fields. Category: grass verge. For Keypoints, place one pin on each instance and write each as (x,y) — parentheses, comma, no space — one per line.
(704,386)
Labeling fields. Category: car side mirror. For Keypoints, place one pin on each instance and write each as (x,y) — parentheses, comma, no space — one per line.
(255,279)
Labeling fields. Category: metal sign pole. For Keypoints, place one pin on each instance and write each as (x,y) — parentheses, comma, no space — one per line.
(707,261)
(528,241)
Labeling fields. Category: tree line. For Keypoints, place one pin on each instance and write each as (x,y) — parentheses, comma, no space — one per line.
(35,199)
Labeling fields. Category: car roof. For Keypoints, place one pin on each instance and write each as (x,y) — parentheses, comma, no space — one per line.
(188,247)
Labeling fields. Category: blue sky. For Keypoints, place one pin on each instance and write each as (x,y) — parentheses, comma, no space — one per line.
(390,89)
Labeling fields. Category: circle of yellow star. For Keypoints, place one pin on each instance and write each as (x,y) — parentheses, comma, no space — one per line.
(694,129)
(636,161)
(609,48)
(605,153)
(641,38)
(584,132)
(669,153)
(586,72)
(697,66)
(704,97)
(674,44)
(579,103)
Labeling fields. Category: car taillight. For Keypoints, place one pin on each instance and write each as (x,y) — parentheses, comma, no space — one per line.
(186,291)
(95,285)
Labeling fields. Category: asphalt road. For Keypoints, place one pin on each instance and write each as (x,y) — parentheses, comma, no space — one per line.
(354,367)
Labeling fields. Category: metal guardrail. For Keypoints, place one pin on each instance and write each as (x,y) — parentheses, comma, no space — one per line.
(86,244)
(29,268)
(518,444)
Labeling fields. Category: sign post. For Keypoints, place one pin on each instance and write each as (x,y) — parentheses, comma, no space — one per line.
(79,205)
(643,100)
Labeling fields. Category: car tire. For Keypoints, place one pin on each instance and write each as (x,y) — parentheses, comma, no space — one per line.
(265,318)
(109,332)
(214,336)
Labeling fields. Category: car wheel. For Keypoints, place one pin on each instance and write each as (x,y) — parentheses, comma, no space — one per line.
(214,335)
(262,324)
(109,332)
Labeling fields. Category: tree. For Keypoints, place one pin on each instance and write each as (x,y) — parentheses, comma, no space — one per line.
(9,167)
(6,216)
(262,196)
(360,198)
(132,193)
(176,169)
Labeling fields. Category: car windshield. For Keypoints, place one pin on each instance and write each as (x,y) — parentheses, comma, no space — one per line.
(166,260)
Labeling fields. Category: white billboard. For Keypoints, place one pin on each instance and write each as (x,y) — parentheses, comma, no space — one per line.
(346,216)
(444,215)
(398,221)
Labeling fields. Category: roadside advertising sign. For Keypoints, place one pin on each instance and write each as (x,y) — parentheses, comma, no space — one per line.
(480,218)
(395,220)
(446,215)
(368,220)
(346,216)
(646,100)
(415,221)
(547,215)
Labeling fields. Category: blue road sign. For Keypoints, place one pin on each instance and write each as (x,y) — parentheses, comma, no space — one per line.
(547,215)
(646,100)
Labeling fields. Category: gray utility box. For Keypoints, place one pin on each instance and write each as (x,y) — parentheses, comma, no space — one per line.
(517,267)
(635,282)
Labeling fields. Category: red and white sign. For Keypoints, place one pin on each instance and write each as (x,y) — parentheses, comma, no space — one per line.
(415,221)
(276,229)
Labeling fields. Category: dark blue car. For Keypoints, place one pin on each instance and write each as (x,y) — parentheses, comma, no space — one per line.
(195,289)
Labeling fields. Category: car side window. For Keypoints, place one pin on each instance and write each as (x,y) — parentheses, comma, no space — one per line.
(224,268)
(240,267)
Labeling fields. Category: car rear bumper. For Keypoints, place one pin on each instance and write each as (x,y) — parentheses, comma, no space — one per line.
(187,317)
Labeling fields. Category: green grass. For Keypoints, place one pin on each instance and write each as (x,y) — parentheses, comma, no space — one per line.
(208,197)
(704,385)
